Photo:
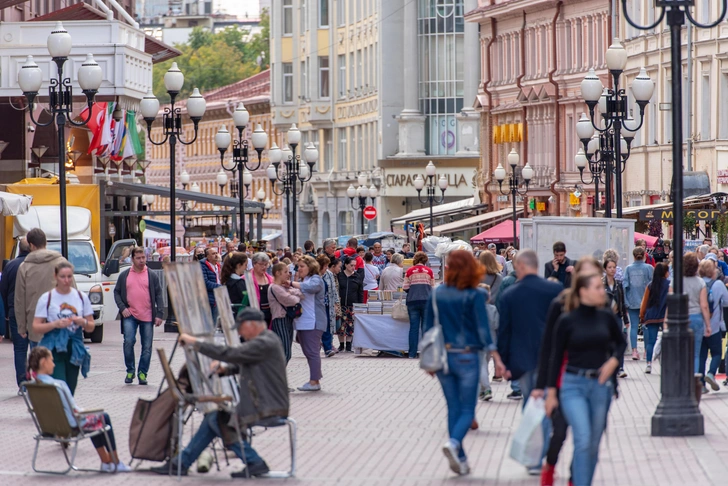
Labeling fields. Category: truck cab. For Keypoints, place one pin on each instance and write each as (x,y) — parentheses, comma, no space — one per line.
(81,252)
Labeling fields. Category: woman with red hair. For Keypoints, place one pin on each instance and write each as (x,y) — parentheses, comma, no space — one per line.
(461,312)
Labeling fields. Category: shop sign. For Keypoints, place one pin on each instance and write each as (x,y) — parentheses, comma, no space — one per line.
(723,176)
(401,182)
(667,214)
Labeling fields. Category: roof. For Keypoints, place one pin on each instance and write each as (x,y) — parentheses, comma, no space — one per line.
(463,205)
(476,221)
(83,11)
(256,85)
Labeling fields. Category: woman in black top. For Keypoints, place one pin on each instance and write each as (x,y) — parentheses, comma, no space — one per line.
(351,291)
(231,277)
(590,335)
(615,301)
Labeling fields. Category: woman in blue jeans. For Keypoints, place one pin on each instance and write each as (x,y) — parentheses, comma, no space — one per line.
(717,299)
(460,311)
(591,336)
(418,283)
(698,310)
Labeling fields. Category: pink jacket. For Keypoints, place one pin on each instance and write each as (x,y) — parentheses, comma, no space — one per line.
(280,297)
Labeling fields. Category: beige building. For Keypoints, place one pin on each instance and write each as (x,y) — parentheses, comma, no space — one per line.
(201,160)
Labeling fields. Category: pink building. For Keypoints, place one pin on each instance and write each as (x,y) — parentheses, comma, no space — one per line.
(534,55)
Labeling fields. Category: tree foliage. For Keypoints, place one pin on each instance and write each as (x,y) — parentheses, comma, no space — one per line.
(210,61)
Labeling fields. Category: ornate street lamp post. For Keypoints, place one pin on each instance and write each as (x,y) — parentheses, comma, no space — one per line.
(240,161)
(172,125)
(517,185)
(677,413)
(60,105)
(293,171)
(361,192)
(613,106)
(431,199)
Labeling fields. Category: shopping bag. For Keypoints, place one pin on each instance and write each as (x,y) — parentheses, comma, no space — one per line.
(657,352)
(399,310)
(433,355)
(527,445)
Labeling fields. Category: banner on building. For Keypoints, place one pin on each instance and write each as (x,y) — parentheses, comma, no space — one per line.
(667,214)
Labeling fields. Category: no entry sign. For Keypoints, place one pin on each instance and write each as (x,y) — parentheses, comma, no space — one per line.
(370,212)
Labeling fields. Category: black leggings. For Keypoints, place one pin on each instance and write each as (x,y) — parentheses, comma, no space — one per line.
(100,441)
(559,427)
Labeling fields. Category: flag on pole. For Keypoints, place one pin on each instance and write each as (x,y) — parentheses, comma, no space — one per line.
(95,124)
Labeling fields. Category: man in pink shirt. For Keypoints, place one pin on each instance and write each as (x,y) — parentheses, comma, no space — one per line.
(138,294)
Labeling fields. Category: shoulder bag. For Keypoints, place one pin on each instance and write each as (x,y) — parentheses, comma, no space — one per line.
(433,355)
(292,312)
(399,310)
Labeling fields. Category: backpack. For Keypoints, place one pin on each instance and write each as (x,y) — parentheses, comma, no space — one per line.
(711,303)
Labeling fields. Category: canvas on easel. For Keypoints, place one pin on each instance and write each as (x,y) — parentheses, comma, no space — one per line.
(227,321)
(188,294)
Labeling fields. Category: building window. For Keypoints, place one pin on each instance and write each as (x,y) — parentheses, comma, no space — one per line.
(723,113)
(362,148)
(342,149)
(287,17)
(304,81)
(340,13)
(705,102)
(353,163)
(359,69)
(302,10)
(352,66)
(328,150)
(323,13)
(323,76)
(287,82)
(366,69)
(342,75)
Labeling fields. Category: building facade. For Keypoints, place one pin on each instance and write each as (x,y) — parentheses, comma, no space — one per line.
(380,88)
(201,160)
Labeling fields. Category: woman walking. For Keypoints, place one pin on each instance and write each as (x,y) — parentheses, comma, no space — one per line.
(654,308)
(281,296)
(493,276)
(331,302)
(698,310)
(717,298)
(351,291)
(460,308)
(590,335)
(261,281)
(231,276)
(616,302)
(636,277)
(418,283)
(61,316)
(312,323)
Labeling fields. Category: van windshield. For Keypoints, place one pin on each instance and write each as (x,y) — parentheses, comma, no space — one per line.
(80,253)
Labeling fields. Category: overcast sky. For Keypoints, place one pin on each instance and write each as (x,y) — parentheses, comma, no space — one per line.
(239,7)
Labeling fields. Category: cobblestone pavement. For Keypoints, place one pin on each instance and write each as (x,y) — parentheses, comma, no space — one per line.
(377,421)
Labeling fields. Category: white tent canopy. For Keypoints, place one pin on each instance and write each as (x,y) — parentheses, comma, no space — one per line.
(424,213)
(14,204)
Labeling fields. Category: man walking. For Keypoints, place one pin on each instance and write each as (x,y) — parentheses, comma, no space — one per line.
(521,326)
(636,277)
(561,266)
(350,251)
(36,275)
(211,273)
(7,291)
(138,294)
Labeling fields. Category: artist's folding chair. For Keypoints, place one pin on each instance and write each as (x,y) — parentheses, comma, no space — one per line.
(273,422)
(46,408)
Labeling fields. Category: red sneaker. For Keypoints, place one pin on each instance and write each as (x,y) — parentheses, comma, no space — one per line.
(547,475)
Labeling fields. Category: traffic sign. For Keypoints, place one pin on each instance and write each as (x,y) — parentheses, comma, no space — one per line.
(370,212)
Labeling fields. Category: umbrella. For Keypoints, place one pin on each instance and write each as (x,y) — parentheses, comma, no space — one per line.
(650,240)
(14,204)
(500,233)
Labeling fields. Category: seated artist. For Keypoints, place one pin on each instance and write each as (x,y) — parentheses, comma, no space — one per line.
(262,367)
(41,364)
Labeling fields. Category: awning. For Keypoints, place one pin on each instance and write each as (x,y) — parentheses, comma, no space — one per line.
(485,219)
(272,236)
(500,233)
(650,240)
(115,188)
(469,204)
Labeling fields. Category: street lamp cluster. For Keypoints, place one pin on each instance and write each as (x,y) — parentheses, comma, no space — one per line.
(431,198)
(60,93)
(606,154)
(293,171)
(517,183)
(361,192)
(240,160)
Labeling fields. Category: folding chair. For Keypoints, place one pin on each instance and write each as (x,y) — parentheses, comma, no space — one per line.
(46,408)
(273,422)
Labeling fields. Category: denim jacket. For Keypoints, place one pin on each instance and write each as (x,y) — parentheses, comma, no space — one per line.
(57,340)
(462,316)
(636,278)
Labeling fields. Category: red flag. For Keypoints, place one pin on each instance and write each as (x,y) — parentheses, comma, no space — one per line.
(95,124)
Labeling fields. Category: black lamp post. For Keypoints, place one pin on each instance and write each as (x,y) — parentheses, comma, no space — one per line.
(240,160)
(293,171)
(617,129)
(431,199)
(677,413)
(60,93)
(361,193)
(517,185)
(172,124)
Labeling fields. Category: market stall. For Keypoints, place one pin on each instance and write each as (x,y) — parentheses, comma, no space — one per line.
(374,326)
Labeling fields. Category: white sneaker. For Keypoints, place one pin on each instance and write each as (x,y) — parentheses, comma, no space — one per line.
(107,467)
(122,468)
(464,467)
(648,368)
(309,387)
(451,451)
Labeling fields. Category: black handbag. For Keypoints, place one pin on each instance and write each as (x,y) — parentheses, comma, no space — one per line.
(292,311)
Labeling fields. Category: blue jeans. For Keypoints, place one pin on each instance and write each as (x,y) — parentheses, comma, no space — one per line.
(526,384)
(634,322)
(20,350)
(205,435)
(516,386)
(697,324)
(585,404)
(416,311)
(714,345)
(327,339)
(460,386)
(146,333)
(650,336)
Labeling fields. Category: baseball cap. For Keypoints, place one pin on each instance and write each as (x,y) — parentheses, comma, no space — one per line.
(711,256)
(491,246)
(248,314)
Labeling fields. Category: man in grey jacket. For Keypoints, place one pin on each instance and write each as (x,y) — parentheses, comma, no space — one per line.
(260,362)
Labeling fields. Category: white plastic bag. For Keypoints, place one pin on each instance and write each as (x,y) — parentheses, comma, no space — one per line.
(527,445)
(657,352)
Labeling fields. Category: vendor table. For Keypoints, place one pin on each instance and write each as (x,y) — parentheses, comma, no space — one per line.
(380,332)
